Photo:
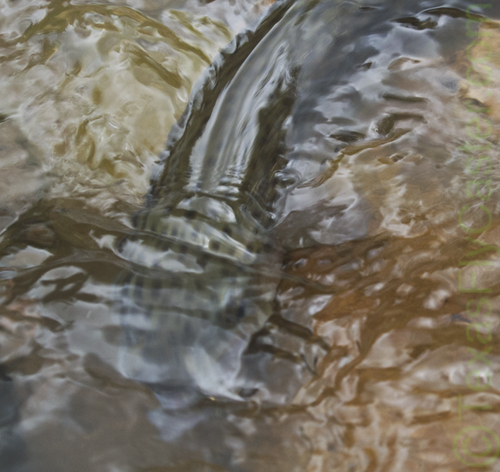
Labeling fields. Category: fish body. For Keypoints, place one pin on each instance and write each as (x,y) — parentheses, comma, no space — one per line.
(192,302)
(204,268)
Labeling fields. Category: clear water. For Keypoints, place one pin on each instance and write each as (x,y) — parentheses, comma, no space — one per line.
(354,142)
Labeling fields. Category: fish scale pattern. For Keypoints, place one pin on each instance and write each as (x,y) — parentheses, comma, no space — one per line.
(203,266)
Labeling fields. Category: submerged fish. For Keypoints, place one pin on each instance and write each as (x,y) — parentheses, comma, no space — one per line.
(205,267)
(276,112)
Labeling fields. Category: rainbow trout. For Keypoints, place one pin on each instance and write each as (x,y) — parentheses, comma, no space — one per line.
(274,106)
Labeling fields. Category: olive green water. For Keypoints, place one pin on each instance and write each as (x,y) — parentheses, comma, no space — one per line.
(324,225)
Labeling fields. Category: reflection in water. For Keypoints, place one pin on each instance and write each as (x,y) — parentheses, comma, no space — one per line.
(306,223)
(97,87)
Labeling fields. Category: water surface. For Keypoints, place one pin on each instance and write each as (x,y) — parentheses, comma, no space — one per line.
(380,112)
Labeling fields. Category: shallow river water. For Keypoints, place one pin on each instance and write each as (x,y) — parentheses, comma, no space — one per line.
(305,280)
